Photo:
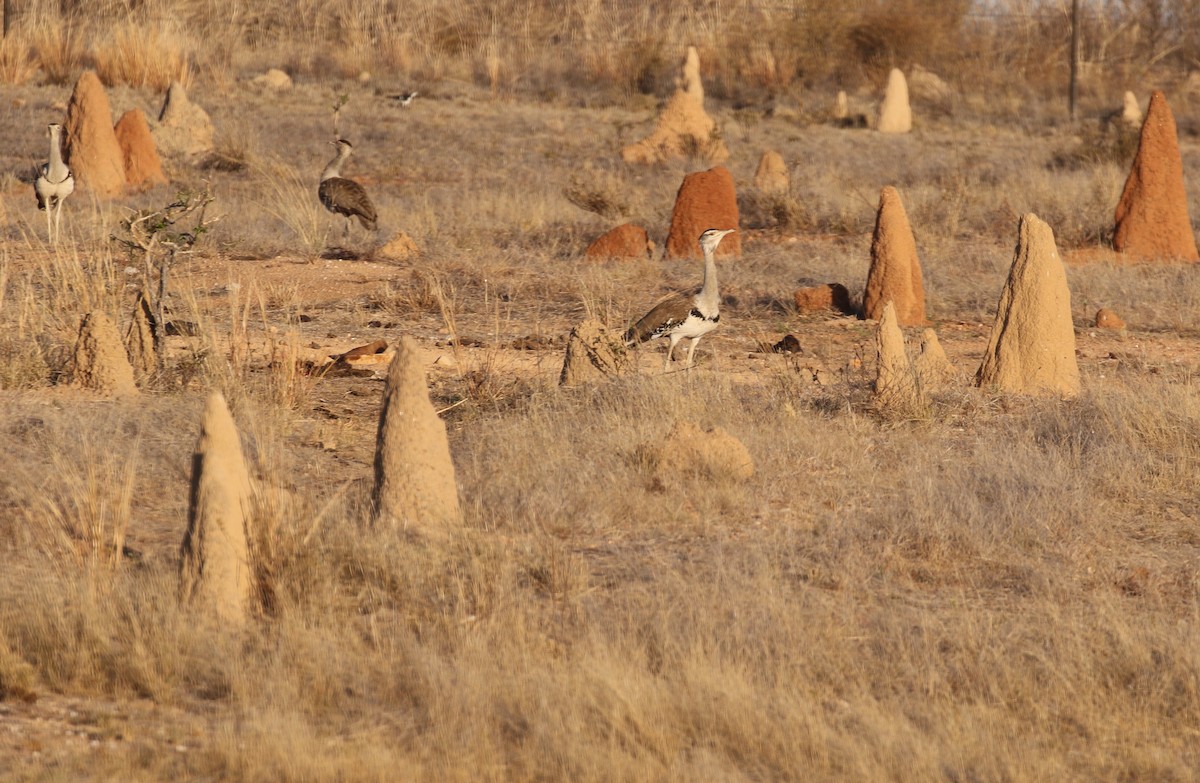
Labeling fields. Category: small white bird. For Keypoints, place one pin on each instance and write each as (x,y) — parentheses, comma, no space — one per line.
(405,99)
(680,315)
(54,183)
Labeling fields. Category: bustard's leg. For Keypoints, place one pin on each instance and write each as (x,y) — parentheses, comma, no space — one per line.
(49,234)
(672,340)
(58,221)
(691,351)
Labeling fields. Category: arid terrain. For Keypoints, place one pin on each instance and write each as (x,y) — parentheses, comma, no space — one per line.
(987,587)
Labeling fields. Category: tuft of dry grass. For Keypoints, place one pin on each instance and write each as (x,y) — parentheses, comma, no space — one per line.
(17,64)
(143,55)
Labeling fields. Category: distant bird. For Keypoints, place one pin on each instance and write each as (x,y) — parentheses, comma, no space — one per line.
(405,99)
(54,183)
(681,315)
(345,196)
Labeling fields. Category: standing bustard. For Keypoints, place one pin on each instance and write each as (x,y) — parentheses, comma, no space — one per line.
(345,196)
(54,183)
(681,315)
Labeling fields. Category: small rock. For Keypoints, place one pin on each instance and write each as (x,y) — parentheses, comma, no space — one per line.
(273,79)
(789,344)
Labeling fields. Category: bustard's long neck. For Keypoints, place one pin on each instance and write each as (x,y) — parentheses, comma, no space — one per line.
(57,171)
(709,298)
(335,165)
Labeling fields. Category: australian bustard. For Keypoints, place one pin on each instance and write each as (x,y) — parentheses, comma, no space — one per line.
(682,315)
(345,196)
(54,183)
(405,99)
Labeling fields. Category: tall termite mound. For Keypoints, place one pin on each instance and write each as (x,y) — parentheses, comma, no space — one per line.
(1032,346)
(895,274)
(414,476)
(215,569)
(91,145)
(895,114)
(1152,215)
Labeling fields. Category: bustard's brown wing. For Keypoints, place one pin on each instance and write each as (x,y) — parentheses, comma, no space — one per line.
(347,197)
(668,313)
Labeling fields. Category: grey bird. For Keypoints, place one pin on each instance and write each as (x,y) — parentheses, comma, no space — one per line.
(345,196)
(685,315)
(53,184)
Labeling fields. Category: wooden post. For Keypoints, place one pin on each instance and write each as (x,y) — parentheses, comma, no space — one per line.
(1073,96)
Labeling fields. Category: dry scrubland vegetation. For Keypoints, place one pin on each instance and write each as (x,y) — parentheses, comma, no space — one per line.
(987,589)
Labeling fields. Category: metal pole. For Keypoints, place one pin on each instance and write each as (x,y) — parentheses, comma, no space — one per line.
(1073,97)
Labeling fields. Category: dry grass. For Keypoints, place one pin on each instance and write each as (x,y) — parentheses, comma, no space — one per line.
(142,56)
(987,588)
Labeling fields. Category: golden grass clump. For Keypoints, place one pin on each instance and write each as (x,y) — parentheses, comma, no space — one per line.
(143,55)
(17,63)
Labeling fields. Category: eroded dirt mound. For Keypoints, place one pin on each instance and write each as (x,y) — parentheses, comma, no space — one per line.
(689,450)
(142,165)
(771,176)
(100,363)
(592,354)
(706,199)
(627,240)
(895,113)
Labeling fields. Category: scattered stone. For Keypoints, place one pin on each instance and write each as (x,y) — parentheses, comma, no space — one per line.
(895,114)
(1152,215)
(414,475)
(1032,346)
(215,571)
(841,106)
(627,240)
(706,199)
(789,344)
(689,76)
(139,340)
(683,128)
(689,450)
(895,274)
(833,297)
(142,165)
(399,248)
(184,128)
(91,147)
(927,86)
(100,363)
(275,80)
(592,354)
(932,367)
(1131,111)
(1107,319)
(772,174)
(895,381)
